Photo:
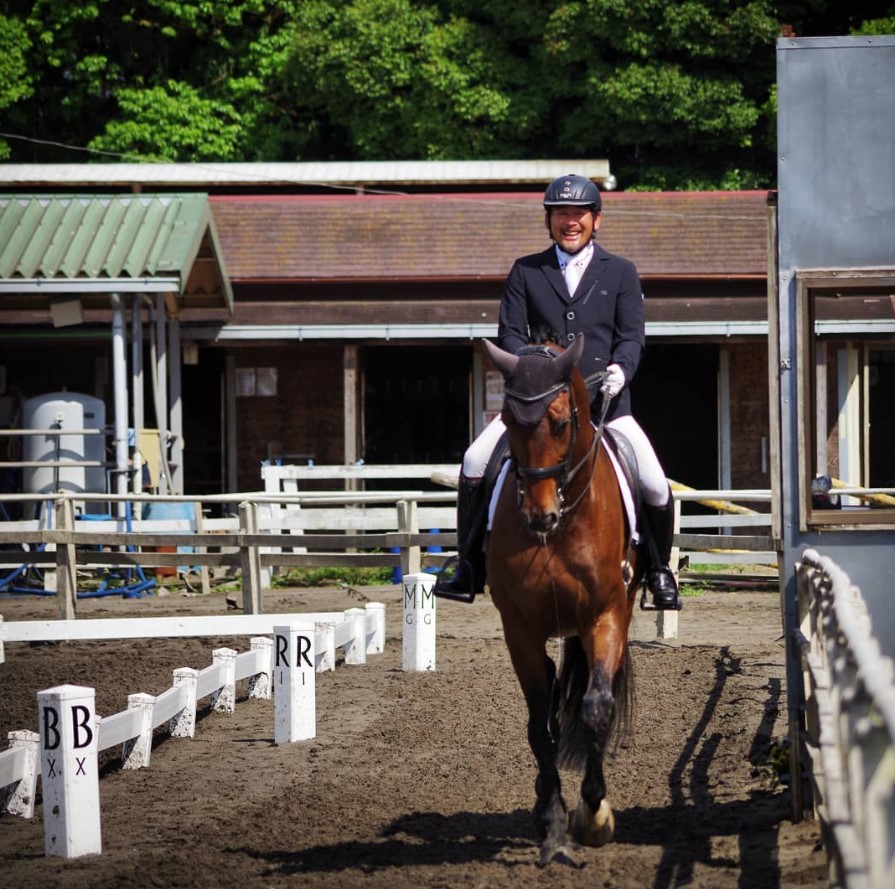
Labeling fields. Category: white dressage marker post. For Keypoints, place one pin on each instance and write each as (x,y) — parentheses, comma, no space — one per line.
(183,723)
(375,627)
(295,700)
(419,622)
(356,647)
(19,797)
(325,656)
(260,683)
(69,772)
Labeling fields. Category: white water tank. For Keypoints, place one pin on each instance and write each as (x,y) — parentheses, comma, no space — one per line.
(64,410)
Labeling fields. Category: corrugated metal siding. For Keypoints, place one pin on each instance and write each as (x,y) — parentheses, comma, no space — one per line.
(90,236)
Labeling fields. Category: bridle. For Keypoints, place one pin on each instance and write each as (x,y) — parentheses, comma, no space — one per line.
(563,469)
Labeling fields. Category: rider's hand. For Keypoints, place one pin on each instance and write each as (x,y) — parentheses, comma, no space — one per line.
(613,382)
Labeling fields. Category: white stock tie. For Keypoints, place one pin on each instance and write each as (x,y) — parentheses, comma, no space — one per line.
(573,272)
(575,267)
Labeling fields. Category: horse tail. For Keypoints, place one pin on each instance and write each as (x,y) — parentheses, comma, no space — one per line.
(576,734)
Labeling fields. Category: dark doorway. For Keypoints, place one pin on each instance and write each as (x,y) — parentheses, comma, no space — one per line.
(416,403)
(882,420)
(675,401)
(203,386)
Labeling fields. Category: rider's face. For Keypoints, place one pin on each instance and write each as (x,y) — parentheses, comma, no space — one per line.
(572,227)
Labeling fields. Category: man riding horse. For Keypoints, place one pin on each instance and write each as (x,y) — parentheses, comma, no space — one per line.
(574,287)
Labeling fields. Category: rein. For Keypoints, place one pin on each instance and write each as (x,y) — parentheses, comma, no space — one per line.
(564,469)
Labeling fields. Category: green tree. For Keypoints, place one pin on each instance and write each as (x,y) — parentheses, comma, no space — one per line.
(157,78)
(675,95)
(15,79)
(172,118)
(395,78)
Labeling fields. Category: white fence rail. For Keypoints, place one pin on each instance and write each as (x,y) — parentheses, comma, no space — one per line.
(286,527)
(849,734)
(358,631)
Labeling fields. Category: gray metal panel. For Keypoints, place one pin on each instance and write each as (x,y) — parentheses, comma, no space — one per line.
(836,157)
(836,143)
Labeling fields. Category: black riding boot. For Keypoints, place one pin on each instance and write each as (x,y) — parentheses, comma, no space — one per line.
(660,581)
(464,576)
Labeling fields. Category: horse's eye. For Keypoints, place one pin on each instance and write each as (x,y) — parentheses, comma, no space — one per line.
(560,426)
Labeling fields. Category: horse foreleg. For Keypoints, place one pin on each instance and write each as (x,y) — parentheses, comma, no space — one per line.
(550,816)
(543,738)
(536,673)
(592,823)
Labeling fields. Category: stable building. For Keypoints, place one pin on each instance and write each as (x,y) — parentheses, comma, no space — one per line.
(336,313)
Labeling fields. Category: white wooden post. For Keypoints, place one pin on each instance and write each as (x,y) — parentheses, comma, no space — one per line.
(135,753)
(295,701)
(409,521)
(66,563)
(419,622)
(224,699)
(356,648)
(69,773)
(375,627)
(264,512)
(260,683)
(19,798)
(183,724)
(666,621)
(46,520)
(326,645)
(251,561)
(204,573)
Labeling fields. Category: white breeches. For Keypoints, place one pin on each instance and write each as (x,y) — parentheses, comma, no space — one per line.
(654,484)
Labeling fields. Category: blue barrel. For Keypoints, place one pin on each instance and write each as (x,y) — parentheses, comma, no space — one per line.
(397,573)
(434,548)
(161,510)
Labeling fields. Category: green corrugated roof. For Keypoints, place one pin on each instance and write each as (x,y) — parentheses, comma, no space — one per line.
(111,236)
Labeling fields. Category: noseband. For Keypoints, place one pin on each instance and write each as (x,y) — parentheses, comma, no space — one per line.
(564,469)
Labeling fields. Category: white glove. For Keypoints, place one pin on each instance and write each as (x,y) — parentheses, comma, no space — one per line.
(613,382)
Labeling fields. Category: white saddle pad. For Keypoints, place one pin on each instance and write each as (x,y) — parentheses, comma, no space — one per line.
(627,495)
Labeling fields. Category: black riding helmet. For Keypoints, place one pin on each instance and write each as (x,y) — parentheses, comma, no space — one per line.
(572,191)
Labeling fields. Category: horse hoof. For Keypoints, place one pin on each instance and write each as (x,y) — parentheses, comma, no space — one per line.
(591,829)
(553,853)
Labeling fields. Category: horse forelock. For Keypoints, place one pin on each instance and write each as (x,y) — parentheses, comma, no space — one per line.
(534,374)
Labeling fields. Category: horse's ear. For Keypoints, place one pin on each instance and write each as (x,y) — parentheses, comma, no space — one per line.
(565,362)
(505,362)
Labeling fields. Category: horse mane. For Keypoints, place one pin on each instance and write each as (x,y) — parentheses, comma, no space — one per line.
(542,334)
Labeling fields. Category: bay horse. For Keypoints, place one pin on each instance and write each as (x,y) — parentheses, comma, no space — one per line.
(560,565)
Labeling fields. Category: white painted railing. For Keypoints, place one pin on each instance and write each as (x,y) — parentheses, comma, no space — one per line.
(358,631)
(73,735)
(849,733)
(270,531)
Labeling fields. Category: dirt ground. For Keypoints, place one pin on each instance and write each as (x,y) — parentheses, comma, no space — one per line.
(425,779)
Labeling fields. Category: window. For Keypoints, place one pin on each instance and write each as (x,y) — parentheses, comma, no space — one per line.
(256,381)
(846,382)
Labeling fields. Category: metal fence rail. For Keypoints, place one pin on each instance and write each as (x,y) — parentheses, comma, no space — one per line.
(849,728)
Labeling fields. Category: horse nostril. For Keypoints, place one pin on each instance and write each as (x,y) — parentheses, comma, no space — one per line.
(543,524)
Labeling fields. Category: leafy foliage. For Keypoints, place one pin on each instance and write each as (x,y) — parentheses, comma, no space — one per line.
(15,80)
(675,95)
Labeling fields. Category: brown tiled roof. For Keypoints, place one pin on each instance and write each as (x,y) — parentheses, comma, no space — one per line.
(468,236)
